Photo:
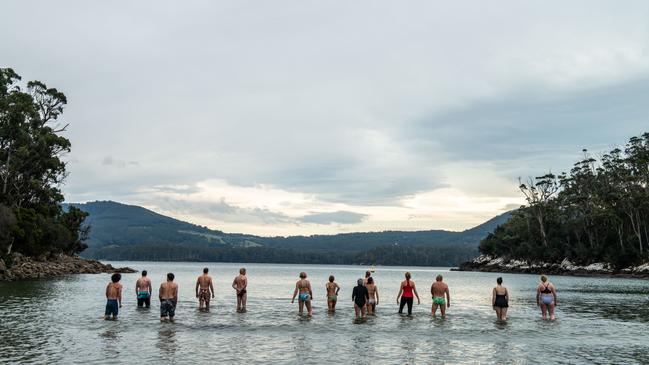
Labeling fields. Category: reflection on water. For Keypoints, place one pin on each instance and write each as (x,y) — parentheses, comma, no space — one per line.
(167,343)
(600,320)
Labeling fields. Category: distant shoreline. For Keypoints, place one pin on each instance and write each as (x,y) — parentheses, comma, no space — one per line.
(486,263)
(20,267)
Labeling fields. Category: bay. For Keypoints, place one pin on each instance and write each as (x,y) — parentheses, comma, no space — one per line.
(600,320)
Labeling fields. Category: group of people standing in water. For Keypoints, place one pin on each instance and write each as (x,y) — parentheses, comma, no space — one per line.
(365,295)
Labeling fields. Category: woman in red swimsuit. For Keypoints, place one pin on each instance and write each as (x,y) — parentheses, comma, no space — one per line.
(406,292)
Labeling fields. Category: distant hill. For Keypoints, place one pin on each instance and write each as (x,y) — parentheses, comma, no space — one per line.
(120,231)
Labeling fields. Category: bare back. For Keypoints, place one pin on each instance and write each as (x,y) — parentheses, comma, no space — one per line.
(240,282)
(439,289)
(113,291)
(371,290)
(331,288)
(143,284)
(500,290)
(169,290)
(204,281)
(303,285)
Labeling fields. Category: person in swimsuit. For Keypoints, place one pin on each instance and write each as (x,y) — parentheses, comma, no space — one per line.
(546,297)
(360,297)
(304,293)
(113,297)
(143,291)
(406,291)
(373,292)
(332,293)
(368,275)
(441,296)
(204,289)
(168,295)
(500,300)
(240,284)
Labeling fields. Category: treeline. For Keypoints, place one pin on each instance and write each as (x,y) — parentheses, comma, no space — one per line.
(597,212)
(384,255)
(31,170)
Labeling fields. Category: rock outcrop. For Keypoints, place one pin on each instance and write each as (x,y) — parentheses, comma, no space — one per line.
(20,267)
(500,264)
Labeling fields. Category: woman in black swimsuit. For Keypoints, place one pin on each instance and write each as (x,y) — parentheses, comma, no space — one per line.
(360,297)
(500,300)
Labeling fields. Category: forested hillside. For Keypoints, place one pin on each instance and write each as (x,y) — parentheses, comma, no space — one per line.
(127,232)
(597,212)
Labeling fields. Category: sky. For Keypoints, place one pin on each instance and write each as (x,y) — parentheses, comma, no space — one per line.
(313,117)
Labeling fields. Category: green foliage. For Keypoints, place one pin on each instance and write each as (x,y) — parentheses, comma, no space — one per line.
(31,169)
(384,255)
(597,212)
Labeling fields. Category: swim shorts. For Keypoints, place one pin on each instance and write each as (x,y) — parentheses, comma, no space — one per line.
(204,296)
(439,300)
(112,307)
(304,297)
(167,308)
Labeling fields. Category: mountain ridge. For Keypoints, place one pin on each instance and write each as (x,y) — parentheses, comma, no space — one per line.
(125,229)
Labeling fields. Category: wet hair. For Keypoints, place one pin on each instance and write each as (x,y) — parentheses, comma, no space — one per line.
(302,275)
(408,276)
(499,281)
(544,278)
(116,277)
(368,274)
(370,280)
(242,271)
(331,278)
(206,270)
(439,278)
(143,272)
(359,281)
(170,276)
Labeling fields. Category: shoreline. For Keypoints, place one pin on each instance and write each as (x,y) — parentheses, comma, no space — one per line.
(29,268)
(487,263)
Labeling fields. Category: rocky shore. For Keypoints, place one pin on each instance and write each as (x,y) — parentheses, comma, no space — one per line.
(488,263)
(19,267)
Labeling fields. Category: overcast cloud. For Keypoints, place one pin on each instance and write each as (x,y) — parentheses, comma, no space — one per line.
(301,117)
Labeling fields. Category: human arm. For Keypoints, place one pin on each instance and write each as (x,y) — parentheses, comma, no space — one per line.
(337,289)
(175,295)
(160,293)
(376,290)
(538,296)
(198,284)
(448,298)
(414,290)
(107,290)
(400,292)
(212,288)
(137,287)
(149,287)
(310,291)
(119,295)
(294,293)
(554,294)
(493,297)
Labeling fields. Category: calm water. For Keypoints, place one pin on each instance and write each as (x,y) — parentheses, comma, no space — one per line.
(58,321)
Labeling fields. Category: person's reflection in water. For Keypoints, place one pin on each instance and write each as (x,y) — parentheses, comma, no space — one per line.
(111,346)
(362,347)
(303,348)
(167,342)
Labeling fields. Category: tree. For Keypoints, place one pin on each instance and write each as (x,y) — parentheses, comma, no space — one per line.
(31,168)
